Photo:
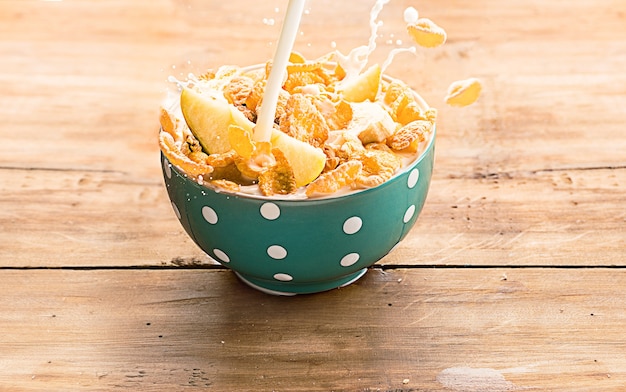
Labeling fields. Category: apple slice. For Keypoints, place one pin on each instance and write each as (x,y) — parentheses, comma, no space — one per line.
(363,87)
(208,119)
(306,161)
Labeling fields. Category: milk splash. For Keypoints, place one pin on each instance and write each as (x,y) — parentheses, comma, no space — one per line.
(356,60)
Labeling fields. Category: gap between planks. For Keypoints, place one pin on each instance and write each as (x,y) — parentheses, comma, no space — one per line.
(380,267)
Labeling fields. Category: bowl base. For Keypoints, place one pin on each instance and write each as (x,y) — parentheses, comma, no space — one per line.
(290,289)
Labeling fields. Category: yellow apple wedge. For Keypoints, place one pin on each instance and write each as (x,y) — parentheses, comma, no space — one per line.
(363,87)
(208,119)
(306,161)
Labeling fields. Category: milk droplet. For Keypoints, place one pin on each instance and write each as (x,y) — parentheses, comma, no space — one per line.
(410,15)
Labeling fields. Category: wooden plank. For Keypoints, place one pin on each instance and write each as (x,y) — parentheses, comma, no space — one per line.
(90,218)
(569,217)
(78,218)
(529,178)
(551,99)
(399,330)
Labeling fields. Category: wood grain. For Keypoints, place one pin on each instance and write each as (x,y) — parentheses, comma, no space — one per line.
(532,174)
(511,280)
(489,329)
(524,218)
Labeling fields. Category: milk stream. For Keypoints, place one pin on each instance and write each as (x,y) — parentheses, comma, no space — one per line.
(291,25)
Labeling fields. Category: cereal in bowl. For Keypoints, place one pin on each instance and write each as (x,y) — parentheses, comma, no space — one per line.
(338,125)
(323,121)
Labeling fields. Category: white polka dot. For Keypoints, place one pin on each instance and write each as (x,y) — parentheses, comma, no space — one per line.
(176,211)
(168,168)
(352,225)
(413,177)
(209,215)
(221,255)
(283,277)
(277,252)
(350,259)
(409,213)
(270,211)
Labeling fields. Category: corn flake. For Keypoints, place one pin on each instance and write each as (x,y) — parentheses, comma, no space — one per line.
(378,165)
(463,92)
(305,73)
(303,78)
(208,75)
(393,90)
(401,102)
(332,160)
(231,173)
(426,33)
(170,123)
(172,152)
(409,133)
(255,99)
(296,58)
(238,89)
(350,147)
(338,114)
(260,159)
(240,140)
(198,156)
(303,121)
(332,181)
(221,160)
(279,178)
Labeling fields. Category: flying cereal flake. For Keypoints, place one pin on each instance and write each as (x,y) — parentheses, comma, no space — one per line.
(426,33)
(463,92)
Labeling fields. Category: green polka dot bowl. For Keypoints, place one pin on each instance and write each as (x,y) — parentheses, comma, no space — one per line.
(288,247)
(301,246)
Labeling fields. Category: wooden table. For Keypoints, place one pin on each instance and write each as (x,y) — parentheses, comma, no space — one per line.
(513,278)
